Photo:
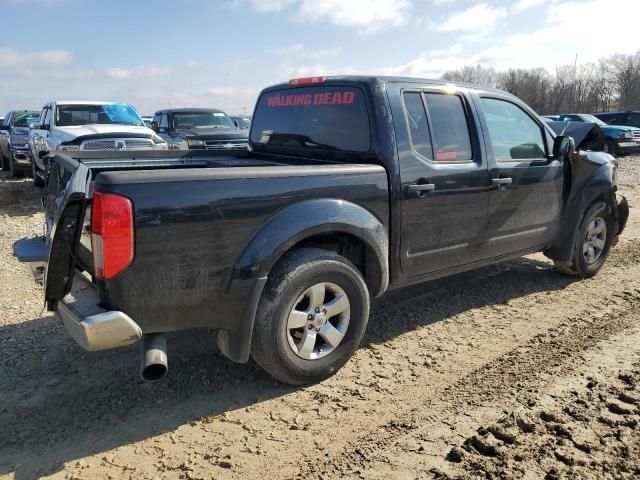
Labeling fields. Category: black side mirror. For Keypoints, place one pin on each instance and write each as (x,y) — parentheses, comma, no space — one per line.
(236,123)
(154,126)
(563,145)
(43,153)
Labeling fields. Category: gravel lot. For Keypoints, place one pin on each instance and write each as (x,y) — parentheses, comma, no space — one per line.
(512,371)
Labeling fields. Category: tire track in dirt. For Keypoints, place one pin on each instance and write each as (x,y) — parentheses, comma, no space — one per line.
(514,377)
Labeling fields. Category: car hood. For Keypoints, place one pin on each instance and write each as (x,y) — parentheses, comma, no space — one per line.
(18,131)
(215,134)
(618,128)
(96,129)
(588,136)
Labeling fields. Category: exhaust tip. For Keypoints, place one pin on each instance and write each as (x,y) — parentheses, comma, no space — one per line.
(154,364)
(154,372)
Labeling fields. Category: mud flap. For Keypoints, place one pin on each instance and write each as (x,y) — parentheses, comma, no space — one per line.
(622,213)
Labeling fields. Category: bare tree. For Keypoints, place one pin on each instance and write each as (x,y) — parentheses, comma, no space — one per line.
(612,82)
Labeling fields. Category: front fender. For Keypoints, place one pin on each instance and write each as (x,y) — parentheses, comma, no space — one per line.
(583,193)
(306,219)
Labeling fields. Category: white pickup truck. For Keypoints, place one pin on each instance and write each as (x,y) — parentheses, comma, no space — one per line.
(90,126)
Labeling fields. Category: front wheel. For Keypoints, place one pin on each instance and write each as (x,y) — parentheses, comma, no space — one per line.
(311,317)
(592,243)
(4,161)
(610,148)
(37,181)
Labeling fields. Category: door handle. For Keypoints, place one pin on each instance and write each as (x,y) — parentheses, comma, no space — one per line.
(422,187)
(502,181)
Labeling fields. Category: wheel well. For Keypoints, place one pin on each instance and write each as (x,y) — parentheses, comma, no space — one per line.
(353,249)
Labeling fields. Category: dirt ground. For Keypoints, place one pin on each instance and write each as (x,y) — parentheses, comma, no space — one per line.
(512,371)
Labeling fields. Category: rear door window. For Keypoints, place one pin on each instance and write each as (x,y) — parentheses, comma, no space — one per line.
(332,118)
(449,128)
(418,125)
(634,120)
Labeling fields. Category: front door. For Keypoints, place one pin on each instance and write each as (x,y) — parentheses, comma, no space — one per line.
(444,180)
(527,183)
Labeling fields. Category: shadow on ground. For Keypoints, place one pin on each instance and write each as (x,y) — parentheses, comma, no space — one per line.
(59,403)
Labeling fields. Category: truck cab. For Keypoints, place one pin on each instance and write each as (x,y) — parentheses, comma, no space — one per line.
(88,126)
(199,129)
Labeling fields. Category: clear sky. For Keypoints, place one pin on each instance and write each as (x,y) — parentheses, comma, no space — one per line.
(162,53)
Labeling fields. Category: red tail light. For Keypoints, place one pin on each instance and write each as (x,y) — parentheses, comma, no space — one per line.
(111,234)
(307,81)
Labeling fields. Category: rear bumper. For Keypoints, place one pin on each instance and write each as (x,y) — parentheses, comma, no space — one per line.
(93,327)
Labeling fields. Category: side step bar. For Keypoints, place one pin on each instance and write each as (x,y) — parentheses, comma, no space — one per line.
(34,252)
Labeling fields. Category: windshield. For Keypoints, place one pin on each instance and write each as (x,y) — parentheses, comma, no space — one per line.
(23,119)
(242,122)
(110,114)
(592,119)
(201,120)
(320,118)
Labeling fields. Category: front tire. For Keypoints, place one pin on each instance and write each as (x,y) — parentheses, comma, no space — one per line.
(610,148)
(311,318)
(592,243)
(4,161)
(37,181)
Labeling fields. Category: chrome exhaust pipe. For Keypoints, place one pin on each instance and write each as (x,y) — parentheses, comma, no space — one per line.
(154,357)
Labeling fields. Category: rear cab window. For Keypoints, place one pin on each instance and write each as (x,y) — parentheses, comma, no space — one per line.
(327,118)
(438,126)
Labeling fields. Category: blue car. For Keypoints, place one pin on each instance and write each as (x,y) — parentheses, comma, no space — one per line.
(619,139)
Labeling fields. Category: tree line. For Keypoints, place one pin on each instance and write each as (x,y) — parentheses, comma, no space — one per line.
(611,83)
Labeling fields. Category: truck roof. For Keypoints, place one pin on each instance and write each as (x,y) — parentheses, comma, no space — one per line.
(83,102)
(392,79)
(183,110)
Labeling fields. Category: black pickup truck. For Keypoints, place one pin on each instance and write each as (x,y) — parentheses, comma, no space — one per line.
(353,185)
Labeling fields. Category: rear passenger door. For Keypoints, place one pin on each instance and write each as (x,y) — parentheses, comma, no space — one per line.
(444,179)
(526,196)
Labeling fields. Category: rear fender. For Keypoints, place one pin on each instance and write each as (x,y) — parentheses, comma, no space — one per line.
(284,230)
(304,220)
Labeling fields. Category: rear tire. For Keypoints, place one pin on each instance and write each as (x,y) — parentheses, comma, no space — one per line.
(592,243)
(311,318)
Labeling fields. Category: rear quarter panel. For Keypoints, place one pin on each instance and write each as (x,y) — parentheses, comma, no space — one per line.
(192,226)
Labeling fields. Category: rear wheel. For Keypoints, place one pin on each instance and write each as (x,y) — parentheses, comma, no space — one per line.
(311,318)
(592,243)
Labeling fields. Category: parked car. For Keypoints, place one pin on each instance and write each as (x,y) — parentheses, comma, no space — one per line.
(90,126)
(241,122)
(619,139)
(199,129)
(353,185)
(14,142)
(628,118)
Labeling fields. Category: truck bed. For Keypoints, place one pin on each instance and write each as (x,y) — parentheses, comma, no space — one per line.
(195,219)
